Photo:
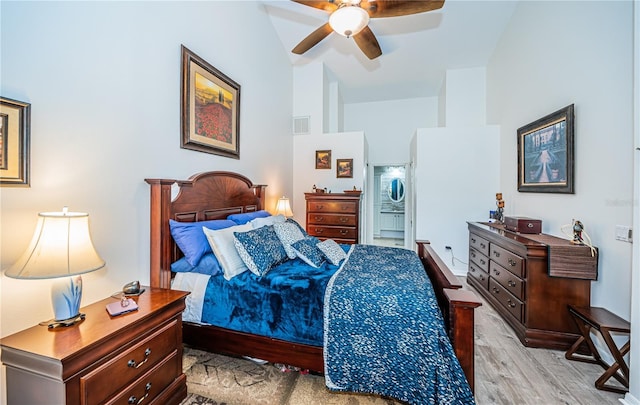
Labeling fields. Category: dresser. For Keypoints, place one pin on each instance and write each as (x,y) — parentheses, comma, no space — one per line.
(531,280)
(134,358)
(334,216)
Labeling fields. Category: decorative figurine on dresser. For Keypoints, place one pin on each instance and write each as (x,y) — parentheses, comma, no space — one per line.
(334,216)
(531,279)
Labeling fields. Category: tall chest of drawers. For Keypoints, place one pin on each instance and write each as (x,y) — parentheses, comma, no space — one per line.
(512,272)
(334,216)
(135,358)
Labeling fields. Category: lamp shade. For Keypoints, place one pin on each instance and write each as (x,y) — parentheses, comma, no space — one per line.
(284,207)
(61,246)
(348,20)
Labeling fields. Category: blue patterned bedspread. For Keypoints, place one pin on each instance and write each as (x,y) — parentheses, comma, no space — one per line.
(394,345)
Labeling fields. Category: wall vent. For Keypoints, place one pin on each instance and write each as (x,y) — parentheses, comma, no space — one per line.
(300,125)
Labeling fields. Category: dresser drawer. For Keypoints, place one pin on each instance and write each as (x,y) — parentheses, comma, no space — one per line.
(479,275)
(344,207)
(511,303)
(479,259)
(109,378)
(508,260)
(331,219)
(479,244)
(508,280)
(332,232)
(151,384)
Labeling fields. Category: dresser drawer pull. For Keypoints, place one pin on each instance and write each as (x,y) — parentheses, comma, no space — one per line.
(344,220)
(132,363)
(319,219)
(511,262)
(511,303)
(511,283)
(482,245)
(343,232)
(136,401)
(473,240)
(319,206)
(483,262)
(495,290)
(497,272)
(319,230)
(496,254)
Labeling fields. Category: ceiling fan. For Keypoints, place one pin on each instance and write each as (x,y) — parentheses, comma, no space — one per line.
(350,18)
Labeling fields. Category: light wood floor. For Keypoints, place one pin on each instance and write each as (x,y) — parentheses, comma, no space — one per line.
(509,373)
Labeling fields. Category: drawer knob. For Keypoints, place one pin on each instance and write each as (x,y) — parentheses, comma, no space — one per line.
(473,240)
(495,290)
(344,220)
(343,231)
(136,401)
(497,272)
(319,219)
(319,230)
(496,254)
(511,303)
(482,245)
(320,206)
(133,364)
(511,283)
(511,262)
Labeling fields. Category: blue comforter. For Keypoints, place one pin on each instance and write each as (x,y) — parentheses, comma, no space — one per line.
(384,332)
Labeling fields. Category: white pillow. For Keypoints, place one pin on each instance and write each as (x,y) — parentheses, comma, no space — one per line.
(223,246)
(288,233)
(266,221)
(332,251)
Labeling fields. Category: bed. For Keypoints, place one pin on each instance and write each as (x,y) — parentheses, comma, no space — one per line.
(216,195)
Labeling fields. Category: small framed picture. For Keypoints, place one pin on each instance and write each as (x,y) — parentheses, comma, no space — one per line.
(323,159)
(15,122)
(545,154)
(344,168)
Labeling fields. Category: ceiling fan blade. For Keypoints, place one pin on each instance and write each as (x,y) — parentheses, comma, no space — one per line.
(312,39)
(395,8)
(328,6)
(368,43)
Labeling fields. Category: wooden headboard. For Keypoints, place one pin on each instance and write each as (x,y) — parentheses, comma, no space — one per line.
(203,197)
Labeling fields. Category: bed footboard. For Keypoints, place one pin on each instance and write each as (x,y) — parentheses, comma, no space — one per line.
(457,307)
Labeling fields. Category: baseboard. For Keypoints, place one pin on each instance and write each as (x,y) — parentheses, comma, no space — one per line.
(630,400)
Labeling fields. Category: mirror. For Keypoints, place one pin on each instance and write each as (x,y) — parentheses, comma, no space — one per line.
(396,190)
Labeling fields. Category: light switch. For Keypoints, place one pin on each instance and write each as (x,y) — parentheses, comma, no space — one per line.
(623,233)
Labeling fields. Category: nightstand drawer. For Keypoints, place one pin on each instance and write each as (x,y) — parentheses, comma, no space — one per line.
(346,207)
(332,232)
(151,384)
(331,219)
(110,378)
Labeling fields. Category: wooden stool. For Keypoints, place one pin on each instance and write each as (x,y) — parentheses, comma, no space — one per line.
(605,322)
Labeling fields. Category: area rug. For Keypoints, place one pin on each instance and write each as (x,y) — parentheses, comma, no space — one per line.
(213,379)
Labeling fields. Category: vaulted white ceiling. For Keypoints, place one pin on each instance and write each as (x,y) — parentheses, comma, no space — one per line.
(416,49)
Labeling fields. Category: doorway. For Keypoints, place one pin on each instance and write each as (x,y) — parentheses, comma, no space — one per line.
(390,205)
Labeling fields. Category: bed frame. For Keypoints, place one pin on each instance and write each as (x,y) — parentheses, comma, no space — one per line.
(215,195)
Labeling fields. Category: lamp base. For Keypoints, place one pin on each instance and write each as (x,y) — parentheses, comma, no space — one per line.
(53,323)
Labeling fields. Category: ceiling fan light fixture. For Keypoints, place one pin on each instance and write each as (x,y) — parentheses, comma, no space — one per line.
(348,20)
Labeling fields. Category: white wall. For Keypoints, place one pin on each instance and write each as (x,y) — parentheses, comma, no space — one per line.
(457,172)
(465,98)
(583,56)
(103,80)
(344,145)
(309,95)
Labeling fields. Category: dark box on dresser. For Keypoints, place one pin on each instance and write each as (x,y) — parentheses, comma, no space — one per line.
(523,224)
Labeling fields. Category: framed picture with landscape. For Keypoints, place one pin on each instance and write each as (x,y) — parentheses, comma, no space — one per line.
(545,154)
(210,108)
(323,159)
(15,124)
(344,168)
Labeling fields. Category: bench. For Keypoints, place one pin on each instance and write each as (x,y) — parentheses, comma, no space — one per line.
(605,322)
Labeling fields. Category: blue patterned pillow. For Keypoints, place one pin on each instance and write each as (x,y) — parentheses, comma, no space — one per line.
(191,240)
(208,265)
(293,221)
(307,251)
(241,219)
(333,252)
(288,234)
(260,249)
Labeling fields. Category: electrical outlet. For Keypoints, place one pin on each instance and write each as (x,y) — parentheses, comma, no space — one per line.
(447,247)
(623,233)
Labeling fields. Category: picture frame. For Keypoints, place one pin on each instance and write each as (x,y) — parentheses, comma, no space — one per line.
(323,159)
(15,134)
(210,108)
(546,154)
(344,168)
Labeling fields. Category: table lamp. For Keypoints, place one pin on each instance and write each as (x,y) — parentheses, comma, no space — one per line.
(284,207)
(61,247)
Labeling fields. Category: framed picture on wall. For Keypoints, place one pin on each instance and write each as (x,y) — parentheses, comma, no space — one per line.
(323,159)
(210,108)
(15,122)
(545,154)
(344,168)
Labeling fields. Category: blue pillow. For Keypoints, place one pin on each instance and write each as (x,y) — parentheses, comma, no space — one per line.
(241,219)
(191,240)
(208,265)
(260,249)
(307,251)
(293,221)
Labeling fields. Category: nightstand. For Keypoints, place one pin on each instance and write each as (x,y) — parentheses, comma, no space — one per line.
(134,358)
